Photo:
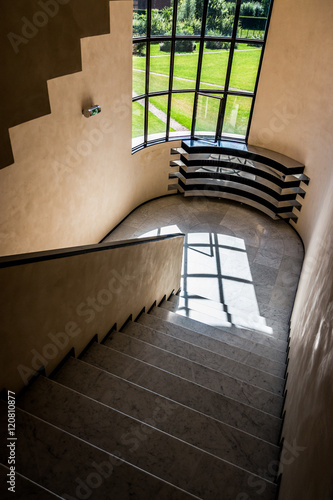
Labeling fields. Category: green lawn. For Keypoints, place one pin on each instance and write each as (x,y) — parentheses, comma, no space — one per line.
(155,124)
(214,67)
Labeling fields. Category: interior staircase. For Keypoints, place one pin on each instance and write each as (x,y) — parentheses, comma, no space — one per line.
(168,407)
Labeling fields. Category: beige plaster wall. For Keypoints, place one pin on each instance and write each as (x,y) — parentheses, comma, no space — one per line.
(294,115)
(48,307)
(75,178)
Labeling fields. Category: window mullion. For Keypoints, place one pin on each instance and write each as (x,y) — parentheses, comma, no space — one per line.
(172,62)
(201,49)
(147,71)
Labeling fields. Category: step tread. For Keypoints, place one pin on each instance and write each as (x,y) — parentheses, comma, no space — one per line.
(203,326)
(209,402)
(168,331)
(204,304)
(215,309)
(211,337)
(219,439)
(155,452)
(237,389)
(62,463)
(204,357)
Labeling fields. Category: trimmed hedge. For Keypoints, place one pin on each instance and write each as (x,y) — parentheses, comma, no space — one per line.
(180,46)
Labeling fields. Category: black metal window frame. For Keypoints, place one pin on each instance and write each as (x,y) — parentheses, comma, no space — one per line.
(201,39)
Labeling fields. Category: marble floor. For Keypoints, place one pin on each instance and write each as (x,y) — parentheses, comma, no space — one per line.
(235,256)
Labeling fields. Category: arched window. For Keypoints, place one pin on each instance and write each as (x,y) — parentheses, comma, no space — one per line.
(195,68)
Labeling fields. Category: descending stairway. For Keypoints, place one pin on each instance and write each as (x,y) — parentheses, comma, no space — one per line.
(167,408)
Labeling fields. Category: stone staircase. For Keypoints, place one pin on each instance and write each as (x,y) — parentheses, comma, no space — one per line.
(169,407)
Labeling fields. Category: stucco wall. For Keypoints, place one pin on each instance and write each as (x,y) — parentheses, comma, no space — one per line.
(294,115)
(75,178)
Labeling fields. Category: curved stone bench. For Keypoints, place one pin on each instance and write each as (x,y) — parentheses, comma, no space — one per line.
(264,179)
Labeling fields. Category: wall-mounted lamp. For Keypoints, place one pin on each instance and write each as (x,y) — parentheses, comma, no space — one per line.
(94,110)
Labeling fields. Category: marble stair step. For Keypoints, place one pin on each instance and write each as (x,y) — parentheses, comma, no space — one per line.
(207,336)
(72,468)
(224,384)
(262,333)
(211,403)
(218,346)
(203,357)
(219,439)
(277,320)
(24,488)
(201,323)
(223,313)
(155,452)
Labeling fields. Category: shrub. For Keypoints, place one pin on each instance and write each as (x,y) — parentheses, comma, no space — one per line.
(254,9)
(217,45)
(181,46)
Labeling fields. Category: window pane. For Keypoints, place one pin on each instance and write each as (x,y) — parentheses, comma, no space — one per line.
(244,68)
(207,115)
(220,18)
(161,17)
(186,65)
(139,18)
(253,19)
(189,17)
(138,120)
(139,68)
(181,113)
(237,115)
(158,107)
(214,64)
(159,68)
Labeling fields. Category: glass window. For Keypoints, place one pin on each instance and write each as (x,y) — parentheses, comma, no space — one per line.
(139,18)
(189,17)
(138,119)
(207,115)
(158,107)
(181,112)
(159,68)
(237,115)
(220,18)
(218,61)
(214,64)
(244,68)
(139,68)
(185,65)
(253,19)
(161,17)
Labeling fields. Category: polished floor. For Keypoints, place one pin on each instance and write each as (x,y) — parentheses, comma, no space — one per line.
(234,255)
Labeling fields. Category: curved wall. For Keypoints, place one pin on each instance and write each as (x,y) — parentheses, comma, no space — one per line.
(294,116)
(74,178)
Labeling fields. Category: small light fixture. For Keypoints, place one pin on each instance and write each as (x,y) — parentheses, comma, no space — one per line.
(94,110)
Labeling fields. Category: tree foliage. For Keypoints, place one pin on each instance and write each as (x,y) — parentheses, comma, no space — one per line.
(220,17)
